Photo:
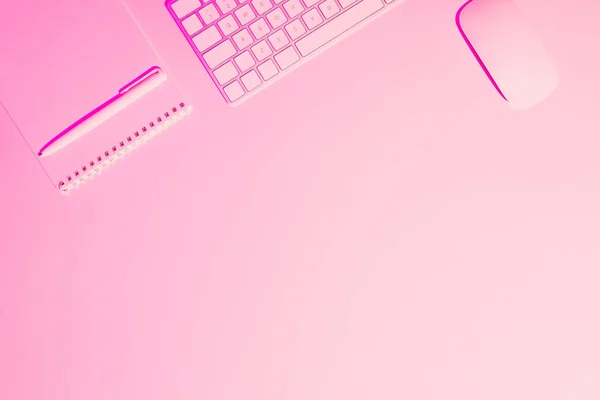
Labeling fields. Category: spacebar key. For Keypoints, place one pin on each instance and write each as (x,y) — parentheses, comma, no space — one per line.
(337,26)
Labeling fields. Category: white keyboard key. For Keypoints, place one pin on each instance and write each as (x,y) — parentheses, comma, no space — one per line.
(228,25)
(293,8)
(192,24)
(268,70)
(312,18)
(260,28)
(207,38)
(226,73)
(337,26)
(262,6)
(244,61)
(278,40)
(287,57)
(209,14)
(295,29)
(242,39)
(310,3)
(226,5)
(246,42)
(329,8)
(219,54)
(251,80)
(234,91)
(276,18)
(261,50)
(184,7)
(245,14)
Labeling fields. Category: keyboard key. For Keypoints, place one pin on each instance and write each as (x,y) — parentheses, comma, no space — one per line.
(346,3)
(244,43)
(245,14)
(278,40)
(310,3)
(251,80)
(242,39)
(295,29)
(276,18)
(268,70)
(293,8)
(261,51)
(226,5)
(244,61)
(192,24)
(225,73)
(234,91)
(209,14)
(262,6)
(337,26)
(207,38)
(219,54)
(329,8)
(312,18)
(228,25)
(184,7)
(287,57)
(260,28)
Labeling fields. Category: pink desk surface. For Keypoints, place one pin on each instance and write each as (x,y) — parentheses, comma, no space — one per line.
(405,236)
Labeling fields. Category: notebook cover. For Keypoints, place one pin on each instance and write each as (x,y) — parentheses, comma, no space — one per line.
(157,24)
(62,60)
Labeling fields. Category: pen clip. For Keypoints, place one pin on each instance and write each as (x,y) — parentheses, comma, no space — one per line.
(141,79)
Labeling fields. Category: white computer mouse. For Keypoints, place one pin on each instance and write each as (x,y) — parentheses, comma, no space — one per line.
(509,52)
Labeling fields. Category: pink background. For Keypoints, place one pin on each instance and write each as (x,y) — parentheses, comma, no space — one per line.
(404,235)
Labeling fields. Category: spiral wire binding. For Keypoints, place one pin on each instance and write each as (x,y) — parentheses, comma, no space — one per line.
(123,148)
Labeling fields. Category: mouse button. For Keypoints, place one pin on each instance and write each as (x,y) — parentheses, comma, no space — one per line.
(512,56)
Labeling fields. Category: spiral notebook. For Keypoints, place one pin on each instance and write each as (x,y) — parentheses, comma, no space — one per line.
(63,59)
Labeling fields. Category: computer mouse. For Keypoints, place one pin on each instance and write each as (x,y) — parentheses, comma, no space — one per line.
(509,52)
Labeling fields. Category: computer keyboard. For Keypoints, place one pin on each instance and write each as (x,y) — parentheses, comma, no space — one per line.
(245,45)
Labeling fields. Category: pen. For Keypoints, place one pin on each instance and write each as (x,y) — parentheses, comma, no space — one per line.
(126,96)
